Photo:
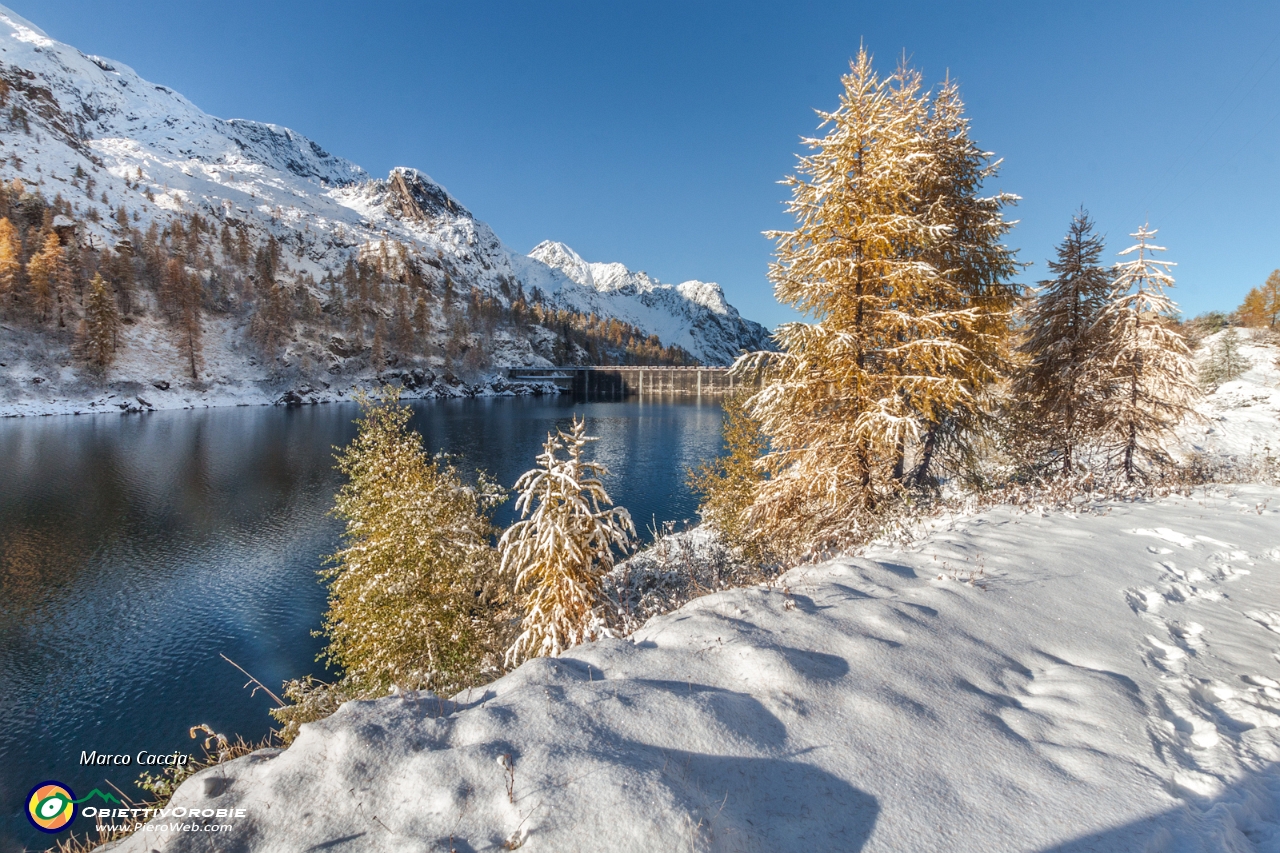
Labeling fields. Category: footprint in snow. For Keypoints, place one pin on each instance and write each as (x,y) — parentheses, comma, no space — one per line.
(1265,618)
(1143,600)
(1231,573)
(1252,709)
(1268,684)
(1167,535)
(1187,634)
(1180,721)
(1165,657)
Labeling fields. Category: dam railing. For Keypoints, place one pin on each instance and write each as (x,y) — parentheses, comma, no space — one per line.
(613,382)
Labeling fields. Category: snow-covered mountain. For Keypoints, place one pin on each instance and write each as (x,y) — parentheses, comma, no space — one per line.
(91,131)
(693,315)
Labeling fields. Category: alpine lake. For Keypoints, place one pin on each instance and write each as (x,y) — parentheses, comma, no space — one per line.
(137,550)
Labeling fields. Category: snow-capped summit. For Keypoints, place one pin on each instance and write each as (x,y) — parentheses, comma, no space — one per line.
(92,102)
(693,314)
(560,257)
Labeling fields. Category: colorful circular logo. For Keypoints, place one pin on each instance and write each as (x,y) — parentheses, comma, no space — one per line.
(51,806)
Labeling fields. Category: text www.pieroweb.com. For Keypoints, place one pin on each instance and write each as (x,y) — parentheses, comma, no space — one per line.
(184,820)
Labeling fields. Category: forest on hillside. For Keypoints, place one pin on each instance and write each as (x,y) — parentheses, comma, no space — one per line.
(387,307)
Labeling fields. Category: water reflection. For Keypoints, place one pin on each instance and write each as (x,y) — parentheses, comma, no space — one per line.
(135,549)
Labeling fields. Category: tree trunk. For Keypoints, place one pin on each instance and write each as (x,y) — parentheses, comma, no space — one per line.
(926,456)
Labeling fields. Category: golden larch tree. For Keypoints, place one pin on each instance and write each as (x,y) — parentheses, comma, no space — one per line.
(101,325)
(412,590)
(10,261)
(897,259)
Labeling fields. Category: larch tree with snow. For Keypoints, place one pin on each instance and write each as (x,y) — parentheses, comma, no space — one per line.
(562,547)
(1065,376)
(898,260)
(413,598)
(976,296)
(727,485)
(10,263)
(1151,378)
(44,269)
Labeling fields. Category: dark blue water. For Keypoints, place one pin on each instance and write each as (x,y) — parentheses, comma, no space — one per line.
(136,549)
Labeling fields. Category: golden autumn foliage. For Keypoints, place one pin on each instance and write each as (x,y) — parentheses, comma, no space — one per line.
(1261,306)
(897,259)
(412,595)
(10,264)
(727,485)
(101,326)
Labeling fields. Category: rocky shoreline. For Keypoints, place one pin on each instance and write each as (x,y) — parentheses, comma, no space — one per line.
(137,397)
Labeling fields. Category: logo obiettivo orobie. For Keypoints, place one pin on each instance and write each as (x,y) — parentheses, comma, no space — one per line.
(51,806)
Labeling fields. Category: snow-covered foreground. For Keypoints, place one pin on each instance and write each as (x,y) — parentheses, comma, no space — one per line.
(1110,681)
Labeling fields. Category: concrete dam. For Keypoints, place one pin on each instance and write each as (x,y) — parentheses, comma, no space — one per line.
(616,382)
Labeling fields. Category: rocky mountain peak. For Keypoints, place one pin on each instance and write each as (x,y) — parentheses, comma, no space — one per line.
(415,196)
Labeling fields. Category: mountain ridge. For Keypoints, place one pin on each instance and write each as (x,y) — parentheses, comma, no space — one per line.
(127,159)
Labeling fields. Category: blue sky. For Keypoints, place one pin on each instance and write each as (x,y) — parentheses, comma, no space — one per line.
(654,134)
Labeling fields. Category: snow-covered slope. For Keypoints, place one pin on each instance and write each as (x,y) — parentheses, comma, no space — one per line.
(93,132)
(1109,682)
(693,315)
(1241,419)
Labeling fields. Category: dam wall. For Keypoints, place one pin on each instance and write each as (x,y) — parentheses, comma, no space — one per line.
(614,382)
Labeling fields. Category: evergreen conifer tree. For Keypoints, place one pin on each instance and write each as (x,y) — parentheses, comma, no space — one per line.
(1151,378)
(561,548)
(1225,362)
(975,294)
(1065,348)
(101,324)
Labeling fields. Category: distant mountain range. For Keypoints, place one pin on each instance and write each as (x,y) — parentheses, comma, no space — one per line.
(94,136)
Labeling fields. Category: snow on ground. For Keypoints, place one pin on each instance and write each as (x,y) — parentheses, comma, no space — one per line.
(152,374)
(1107,682)
(1241,418)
